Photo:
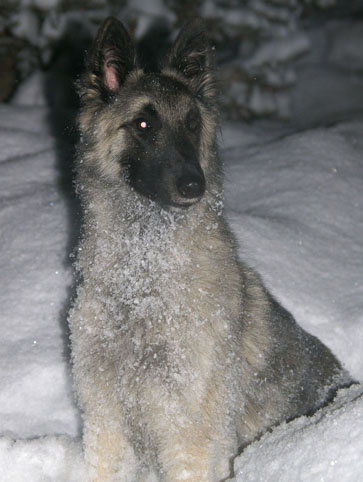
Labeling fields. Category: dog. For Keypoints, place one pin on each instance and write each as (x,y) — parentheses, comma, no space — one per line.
(181,357)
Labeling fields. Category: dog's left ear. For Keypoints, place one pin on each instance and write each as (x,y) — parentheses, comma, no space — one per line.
(192,57)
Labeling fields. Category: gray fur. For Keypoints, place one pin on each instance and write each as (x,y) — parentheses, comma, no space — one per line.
(181,357)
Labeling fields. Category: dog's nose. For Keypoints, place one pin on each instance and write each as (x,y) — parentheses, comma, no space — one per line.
(191,186)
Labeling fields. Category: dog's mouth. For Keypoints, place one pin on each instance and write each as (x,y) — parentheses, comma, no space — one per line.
(182,204)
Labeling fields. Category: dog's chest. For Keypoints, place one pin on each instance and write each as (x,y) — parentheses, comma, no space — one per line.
(143,271)
(158,305)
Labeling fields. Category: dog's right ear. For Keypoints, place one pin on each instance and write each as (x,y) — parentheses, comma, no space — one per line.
(191,56)
(112,57)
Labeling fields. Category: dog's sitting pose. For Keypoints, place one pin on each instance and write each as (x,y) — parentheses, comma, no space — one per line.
(181,357)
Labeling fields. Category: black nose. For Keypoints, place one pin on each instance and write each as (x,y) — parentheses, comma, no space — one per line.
(191,186)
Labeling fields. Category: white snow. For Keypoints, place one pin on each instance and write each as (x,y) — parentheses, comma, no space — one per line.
(279,50)
(325,447)
(294,196)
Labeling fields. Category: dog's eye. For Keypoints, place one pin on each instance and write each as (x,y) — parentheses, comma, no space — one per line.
(192,123)
(143,125)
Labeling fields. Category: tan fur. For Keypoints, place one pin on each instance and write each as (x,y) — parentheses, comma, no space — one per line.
(181,357)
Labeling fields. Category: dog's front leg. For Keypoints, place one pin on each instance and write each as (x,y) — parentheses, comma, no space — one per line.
(108,455)
(190,443)
(192,454)
(184,456)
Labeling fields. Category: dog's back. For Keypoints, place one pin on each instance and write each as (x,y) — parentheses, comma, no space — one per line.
(181,356)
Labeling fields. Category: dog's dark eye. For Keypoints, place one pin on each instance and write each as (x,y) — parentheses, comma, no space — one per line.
(192,122)
(143,125)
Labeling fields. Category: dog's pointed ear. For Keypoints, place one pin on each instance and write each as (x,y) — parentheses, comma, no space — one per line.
(112,57)
(191,56)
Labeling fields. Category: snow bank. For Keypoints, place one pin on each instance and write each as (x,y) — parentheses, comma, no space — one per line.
(46,459)
(36,398)
(326,447)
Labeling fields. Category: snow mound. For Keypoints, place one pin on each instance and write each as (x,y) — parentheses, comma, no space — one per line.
(326,447)
(36,397)
(44,459)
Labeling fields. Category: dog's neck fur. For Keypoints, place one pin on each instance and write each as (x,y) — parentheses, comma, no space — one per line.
(126,228)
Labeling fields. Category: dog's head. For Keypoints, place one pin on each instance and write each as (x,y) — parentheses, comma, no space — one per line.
(156,130)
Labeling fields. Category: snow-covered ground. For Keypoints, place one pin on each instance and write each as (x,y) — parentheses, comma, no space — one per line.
(294,196)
